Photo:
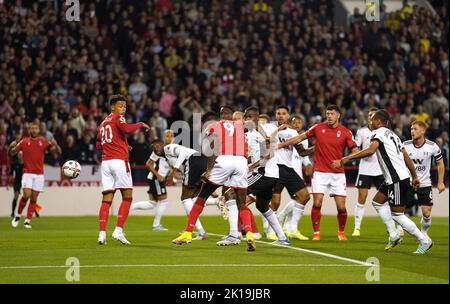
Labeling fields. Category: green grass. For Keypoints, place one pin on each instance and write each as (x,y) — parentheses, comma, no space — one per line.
(52,240)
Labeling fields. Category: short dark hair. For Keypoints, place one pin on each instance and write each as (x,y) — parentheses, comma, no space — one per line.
(209,116)
(373,109)
(228,108)
(283,107)
(252,109)
(116,98)
(157,141)
(382,115)
(293,117)
(333,107)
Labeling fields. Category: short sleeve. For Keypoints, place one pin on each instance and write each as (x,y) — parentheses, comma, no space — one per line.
(358,138)
(154,157)
(350,140)
(311,132)
(376,137)
(437,154)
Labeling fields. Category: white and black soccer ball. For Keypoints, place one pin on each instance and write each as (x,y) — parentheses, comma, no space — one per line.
(71,169)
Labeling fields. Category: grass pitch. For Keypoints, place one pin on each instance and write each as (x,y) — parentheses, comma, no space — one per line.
(39,255)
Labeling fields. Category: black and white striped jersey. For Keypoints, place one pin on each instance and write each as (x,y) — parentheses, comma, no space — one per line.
(422,157)
(390,156)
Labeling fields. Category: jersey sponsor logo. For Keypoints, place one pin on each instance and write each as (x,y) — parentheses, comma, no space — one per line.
(417,161)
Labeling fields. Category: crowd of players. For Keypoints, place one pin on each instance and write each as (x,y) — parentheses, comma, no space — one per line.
(252,161)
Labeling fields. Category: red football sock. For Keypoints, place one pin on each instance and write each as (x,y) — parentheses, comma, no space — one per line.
(246,217)
(342,219)
(103,215)
(124,210)
(30,211)
(195,213)
(315,217)
(239,224)
(254,226)
(22,204)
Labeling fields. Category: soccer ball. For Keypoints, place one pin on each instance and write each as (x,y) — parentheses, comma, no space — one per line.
(71,169)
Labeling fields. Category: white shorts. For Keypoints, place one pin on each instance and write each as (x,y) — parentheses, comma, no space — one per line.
(116,174)
(33,181)
(230,170)
(335,183)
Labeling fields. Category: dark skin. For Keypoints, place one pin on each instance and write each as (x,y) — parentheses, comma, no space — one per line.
(53,148)
(158,149)
(380,198)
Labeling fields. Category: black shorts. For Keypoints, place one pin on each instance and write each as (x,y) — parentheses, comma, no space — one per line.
(194,167)
(290,180)
(261,186)
(397,193)
(17,184)
(422,197)
(366,181)
(157,188)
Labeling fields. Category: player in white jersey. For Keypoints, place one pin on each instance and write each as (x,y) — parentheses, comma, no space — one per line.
(395,164)
(298,162)
(369,173)
(157,178)
(422,151)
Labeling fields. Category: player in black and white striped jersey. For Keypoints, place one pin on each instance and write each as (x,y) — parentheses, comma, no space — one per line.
(422,151)
(395,164)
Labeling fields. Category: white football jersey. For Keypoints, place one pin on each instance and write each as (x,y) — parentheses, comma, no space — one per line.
(160,164)
(271,167)
(422,158)
(369,165)
(298,161)
(390,156)
(177,154)
(254,140)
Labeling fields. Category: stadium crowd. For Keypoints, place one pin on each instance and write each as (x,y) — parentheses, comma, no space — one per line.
(174,58)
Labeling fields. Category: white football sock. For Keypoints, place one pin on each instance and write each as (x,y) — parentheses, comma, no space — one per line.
(426,224)
(266,225)
(212,201)
(297,213)
(409,226)
(233,217)
(162,205)
(187,204)
(143,205)
(118,229)
(274,223)
(384,211)
(286,212)
(359,214)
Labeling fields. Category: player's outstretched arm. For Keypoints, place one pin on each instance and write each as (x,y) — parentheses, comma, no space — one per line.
(370,150)
(130,128)
(12,149)
(293,141)
(441,171)
(412,169)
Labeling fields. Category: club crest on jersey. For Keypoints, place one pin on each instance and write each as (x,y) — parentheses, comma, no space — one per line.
(338,134)
(323,130)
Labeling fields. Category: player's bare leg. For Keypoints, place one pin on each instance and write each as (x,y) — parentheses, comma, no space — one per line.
(398,214)
(302,197)
(316,215)
(359,210)
(341,216)
(103,216)
(384,212)
(187,195)
(425,221)
(122,215)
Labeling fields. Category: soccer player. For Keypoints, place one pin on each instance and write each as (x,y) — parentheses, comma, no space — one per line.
(159,170)
(116,172)
(331,140)
(192,165)
(422,151)
(226,165)
(395,164)
(15,174)
(369,173)
(33,150)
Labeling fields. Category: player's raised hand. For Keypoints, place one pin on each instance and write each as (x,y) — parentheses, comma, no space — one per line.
(145,126)
(416,183)
(441,187)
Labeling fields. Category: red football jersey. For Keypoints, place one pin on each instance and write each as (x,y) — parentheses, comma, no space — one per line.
(112,136)
(330,145)
(33,154)
(230,137)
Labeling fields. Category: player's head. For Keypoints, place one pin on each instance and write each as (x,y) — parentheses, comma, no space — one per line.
(418,129)
(282,114)
(168,137)
(263,118)
(251,116)
(238,116)
(380,119)
(118,104)
(332,114)
(34,129)
(370,114)
(158,147)
(296,122)
(226,113)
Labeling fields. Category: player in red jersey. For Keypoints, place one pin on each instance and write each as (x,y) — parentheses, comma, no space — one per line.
(331,140)
(116,173)
(33,152)
(226,165)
